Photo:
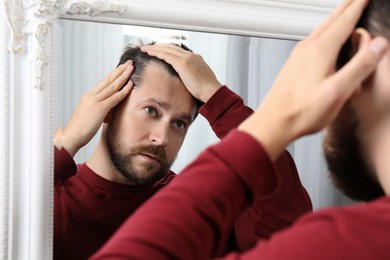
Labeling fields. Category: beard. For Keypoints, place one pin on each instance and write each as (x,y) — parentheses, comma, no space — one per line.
(349,167)
(123,160)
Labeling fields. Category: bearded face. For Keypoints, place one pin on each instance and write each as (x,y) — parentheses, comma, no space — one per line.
(141,164)
(145,132)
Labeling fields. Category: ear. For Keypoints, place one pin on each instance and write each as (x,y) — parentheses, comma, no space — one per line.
(361,38)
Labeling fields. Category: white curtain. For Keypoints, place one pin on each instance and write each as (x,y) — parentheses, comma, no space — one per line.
(85,52)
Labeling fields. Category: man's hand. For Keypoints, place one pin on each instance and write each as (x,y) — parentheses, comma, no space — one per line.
(309,93)
(196,75)
(94,107)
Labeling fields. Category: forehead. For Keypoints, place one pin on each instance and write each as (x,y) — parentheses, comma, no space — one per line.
(159,85)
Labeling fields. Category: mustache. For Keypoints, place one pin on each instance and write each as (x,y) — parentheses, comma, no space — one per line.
(156,151)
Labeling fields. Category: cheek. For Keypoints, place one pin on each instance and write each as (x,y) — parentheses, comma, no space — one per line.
(130,129)
(381,95)
(374,100)
(175,143)
(382,85)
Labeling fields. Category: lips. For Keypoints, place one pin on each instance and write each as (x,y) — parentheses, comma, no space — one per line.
(153,156)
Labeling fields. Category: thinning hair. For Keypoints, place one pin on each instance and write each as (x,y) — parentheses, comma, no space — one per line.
(141,60)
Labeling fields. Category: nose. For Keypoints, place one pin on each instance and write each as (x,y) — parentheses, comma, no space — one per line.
(160,134)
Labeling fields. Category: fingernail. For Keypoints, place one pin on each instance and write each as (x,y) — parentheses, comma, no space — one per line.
(378,45)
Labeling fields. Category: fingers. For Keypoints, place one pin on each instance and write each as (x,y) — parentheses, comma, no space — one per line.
(360,67)
(330,19)
(315,100)
(338,88)
(114,81)
(117,84)
(118,96)
(326,41)
(161,49)
(341,29)
(170,53)
(353,8)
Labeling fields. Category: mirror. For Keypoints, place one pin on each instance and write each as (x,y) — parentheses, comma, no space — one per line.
(85,52)
(28,75)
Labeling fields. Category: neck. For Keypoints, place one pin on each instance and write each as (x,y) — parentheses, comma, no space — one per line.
(100,162)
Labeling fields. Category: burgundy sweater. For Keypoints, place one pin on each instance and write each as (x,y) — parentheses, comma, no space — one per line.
(89,208)
(189,219)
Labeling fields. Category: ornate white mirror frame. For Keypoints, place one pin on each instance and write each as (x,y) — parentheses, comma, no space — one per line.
(26,118)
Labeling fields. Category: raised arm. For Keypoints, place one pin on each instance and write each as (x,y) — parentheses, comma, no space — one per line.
(317,99)
(194,213)
(223,108)
(93,108)
(87,118)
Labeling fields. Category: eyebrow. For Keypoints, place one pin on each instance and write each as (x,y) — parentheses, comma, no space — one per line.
(166,106)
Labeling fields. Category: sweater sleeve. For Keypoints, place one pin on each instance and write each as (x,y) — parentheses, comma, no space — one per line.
(277,211)
(197,210)
(64,166)
(225,111)
(356,232)
(187,218)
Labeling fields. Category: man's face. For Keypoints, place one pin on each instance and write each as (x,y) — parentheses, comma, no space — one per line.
(148,128)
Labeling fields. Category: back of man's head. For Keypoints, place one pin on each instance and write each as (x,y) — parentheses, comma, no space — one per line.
(376,20)
(349,165)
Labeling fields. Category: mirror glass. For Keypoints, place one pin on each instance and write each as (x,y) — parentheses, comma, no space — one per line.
(85,52)
(65,62)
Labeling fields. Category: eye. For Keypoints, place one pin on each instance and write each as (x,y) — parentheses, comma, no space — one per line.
(180,124)
(151,111)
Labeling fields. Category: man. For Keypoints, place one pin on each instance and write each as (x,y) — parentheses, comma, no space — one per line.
(145,123)
(234,180)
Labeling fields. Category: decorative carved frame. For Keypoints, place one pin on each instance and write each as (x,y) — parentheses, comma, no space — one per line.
(26,124)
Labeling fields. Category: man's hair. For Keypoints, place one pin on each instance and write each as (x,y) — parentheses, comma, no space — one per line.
(375,19)
(350,168)
(142,59)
